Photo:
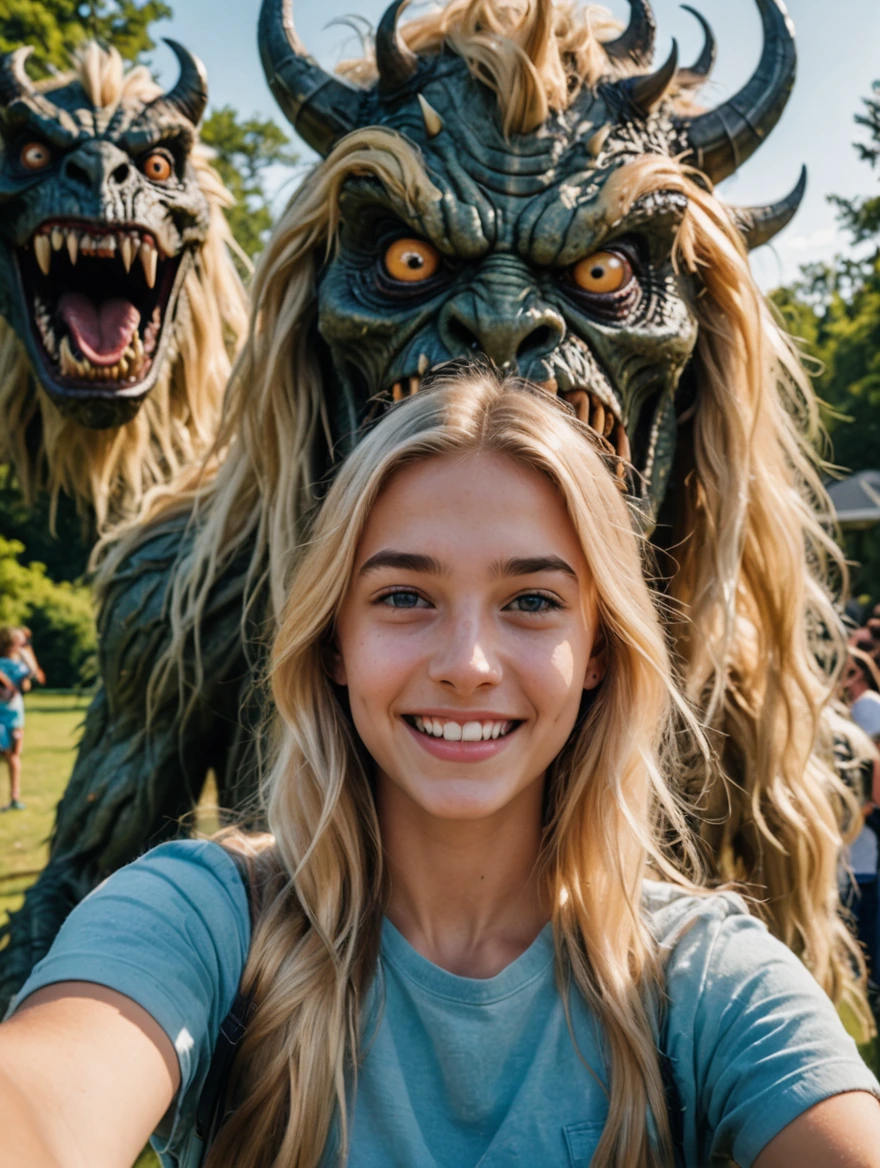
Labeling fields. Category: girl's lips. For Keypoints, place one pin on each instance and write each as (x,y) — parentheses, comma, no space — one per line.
(448,751)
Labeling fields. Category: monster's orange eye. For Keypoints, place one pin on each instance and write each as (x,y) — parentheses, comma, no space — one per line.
(35,155)
(411,260)
(157,167)
(602,273)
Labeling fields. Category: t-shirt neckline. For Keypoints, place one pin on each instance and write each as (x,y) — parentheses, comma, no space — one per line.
(474,990)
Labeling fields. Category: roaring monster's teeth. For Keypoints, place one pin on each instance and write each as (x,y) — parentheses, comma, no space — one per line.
(414,383)
(423,364)
(150,259)
(126,250)
(72,245)
(397,392)
(43,252)
(57,239)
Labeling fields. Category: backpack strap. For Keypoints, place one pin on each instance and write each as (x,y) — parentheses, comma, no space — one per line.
(211,1110)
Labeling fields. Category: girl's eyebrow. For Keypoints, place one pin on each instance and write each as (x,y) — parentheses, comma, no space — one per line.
(405,561)
(529,565)
(416,562)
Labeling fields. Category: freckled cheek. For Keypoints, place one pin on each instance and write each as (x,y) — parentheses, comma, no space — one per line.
(379,668)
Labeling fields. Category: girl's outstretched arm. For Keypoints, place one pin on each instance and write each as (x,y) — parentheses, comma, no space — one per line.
(840,1132)
(85,1076)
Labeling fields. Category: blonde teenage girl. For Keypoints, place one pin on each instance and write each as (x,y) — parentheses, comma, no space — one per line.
(466,942)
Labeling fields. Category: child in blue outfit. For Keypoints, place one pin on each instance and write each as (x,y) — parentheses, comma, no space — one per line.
(17,666)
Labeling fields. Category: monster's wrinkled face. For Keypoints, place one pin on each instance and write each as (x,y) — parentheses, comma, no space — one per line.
(522,258)
(100,214)
(539,251)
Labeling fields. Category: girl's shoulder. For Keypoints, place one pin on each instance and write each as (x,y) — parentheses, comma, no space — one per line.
(176,916)
(670,910)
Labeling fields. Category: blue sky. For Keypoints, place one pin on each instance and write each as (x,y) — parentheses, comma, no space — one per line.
(838,58)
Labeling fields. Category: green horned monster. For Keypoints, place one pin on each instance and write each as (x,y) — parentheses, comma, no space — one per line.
(512,181)
(121,301)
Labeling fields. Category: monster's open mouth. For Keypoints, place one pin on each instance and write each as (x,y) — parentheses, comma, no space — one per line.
(98,297)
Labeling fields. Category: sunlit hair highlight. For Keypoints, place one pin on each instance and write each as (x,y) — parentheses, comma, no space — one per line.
(612,811)
(109,471)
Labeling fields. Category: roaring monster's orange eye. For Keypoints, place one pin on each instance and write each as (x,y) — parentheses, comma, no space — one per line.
(35,155)
(411,260)
(602,273)
(156,167)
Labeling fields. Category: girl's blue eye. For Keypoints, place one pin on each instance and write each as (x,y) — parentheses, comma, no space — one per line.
(533,602)
(401,599)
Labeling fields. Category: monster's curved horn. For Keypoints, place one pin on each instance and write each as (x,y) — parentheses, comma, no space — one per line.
(319,106)
(648,91)
(722,139)
(190,95)
(395,61)
(703,65)
(636,42)
(759,224)
(14,82)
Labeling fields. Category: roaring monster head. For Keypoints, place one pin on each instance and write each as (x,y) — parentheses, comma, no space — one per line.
(527,252)
(114,277)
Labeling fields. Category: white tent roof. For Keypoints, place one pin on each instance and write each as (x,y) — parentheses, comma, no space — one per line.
(856,499)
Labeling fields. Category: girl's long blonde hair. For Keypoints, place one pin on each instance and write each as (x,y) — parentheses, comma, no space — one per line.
(611,810)
(109,471)
(751,567)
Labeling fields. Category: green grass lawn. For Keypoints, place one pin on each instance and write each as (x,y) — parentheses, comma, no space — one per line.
(51,734)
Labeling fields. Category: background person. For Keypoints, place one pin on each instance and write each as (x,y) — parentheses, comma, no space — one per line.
(468,895)
(18,664)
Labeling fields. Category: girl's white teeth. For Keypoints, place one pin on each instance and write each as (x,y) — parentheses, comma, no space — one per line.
(456,732)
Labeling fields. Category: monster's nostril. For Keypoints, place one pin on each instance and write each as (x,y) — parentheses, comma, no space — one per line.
(77,174)
(120,174)
(539,341)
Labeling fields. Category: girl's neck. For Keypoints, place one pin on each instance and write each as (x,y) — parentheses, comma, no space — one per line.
(464,893)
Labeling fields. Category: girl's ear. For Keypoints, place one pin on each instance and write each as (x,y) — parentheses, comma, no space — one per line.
(334,665)
(597,664)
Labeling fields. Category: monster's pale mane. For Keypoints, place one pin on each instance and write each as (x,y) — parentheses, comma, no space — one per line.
(535,57)
(109,471)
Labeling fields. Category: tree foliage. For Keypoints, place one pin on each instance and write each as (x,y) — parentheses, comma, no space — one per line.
(246,150)
(835,310)
(59,616)
(55,27)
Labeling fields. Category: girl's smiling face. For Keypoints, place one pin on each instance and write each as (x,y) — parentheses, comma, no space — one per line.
(468,633)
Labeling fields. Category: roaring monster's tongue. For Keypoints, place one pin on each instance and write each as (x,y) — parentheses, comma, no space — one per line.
(102,331)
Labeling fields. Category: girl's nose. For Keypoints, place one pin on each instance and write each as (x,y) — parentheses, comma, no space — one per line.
(466,657)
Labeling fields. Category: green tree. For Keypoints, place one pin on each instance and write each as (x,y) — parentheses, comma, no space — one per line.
(59,616)
(835,310)
(54,27)
(246,149)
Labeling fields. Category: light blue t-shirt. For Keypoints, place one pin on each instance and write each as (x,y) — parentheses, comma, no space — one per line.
(460,1072)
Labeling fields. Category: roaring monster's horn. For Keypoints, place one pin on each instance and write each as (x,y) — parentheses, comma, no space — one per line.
(722,139)
(636,42)
(702,67)
(320,107)
(190,95)
(759,224)
(395,61)
(14,82)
